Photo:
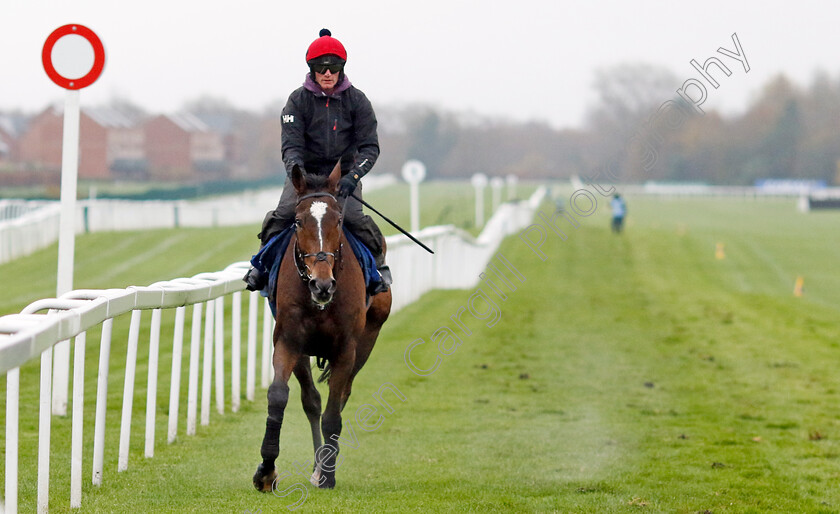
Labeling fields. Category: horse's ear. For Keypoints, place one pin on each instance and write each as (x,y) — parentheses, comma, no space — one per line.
(298,180)
(335,176)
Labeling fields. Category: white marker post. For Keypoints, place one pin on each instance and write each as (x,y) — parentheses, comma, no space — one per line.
(496,184)
(479,182)
(66,58)
(511,187)
(414,172)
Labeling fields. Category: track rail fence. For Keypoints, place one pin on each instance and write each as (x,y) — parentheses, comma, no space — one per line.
(206,298)
(27,226)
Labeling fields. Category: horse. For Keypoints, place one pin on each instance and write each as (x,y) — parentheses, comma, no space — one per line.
(322,311)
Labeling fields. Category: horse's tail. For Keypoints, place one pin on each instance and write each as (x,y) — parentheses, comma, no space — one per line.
(325,375)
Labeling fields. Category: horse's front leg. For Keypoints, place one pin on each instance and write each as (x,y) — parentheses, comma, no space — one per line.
(278,397)
(325,457)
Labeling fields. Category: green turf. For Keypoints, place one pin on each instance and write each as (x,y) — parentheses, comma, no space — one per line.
(628,373)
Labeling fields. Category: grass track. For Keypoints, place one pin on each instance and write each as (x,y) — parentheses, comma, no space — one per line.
(627,374)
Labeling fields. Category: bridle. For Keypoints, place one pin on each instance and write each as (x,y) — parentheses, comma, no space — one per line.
(303,269)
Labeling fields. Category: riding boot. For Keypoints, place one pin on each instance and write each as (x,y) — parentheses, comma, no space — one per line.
(255,280)
(385,283)
(385,275)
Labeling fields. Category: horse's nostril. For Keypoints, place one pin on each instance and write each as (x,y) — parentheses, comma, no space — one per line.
(320,286)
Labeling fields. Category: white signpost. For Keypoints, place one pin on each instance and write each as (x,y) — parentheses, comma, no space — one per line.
(414,172)
(496,184)
(479,182)
(67,60)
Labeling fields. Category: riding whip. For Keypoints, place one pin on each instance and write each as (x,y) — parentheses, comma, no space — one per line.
(369,206)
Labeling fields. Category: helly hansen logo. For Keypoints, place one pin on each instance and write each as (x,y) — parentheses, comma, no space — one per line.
(288,118)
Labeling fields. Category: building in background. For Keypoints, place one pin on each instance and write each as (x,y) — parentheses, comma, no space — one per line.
(10,128)
(110,144)
(182,147)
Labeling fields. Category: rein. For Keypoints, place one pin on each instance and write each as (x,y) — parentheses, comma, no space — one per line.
(304,270)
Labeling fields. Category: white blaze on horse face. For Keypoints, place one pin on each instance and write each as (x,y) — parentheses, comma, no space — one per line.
(317,210)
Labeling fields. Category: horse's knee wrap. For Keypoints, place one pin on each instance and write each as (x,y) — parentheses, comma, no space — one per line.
(330,425)
(278,397)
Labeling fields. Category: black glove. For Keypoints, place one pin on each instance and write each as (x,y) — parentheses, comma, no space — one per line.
(348,183)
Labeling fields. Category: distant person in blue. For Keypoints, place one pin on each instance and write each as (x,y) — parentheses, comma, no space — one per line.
(619,211)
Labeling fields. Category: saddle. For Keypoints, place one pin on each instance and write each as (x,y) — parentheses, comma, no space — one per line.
(270,256)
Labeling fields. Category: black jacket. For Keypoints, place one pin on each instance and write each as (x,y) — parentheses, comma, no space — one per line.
(320,129)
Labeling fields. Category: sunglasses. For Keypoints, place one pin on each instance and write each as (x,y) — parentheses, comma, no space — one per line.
(322,68)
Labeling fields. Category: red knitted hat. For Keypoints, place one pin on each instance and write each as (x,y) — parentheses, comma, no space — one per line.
(325,45)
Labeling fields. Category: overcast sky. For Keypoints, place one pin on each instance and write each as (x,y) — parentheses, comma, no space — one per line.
(524,59)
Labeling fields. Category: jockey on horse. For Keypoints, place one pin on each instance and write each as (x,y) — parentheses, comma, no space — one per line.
(324,121)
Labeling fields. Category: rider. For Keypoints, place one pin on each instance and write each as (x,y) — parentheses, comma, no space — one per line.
(325,120)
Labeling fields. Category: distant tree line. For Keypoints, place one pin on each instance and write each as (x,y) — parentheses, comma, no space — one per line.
(788,131)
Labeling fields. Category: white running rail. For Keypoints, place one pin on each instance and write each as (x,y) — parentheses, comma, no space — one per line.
(30,226)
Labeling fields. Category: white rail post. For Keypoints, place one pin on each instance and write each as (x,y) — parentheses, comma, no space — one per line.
(101,401)
(78,421)
(12,431)
(151,387)
(175,383)
(219,350)
(61,371)
(511,186)
(195,348)
(208,364)
(479,182)
(128,389)
(250,373)
(44,432)
(235,351)
(496,184)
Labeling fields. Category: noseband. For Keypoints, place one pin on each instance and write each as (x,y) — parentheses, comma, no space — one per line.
(302,268)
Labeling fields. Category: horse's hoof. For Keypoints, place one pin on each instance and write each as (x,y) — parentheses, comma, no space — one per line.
(327,482)
(264,481)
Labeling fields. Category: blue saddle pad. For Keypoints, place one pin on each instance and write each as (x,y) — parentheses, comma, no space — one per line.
(268,260)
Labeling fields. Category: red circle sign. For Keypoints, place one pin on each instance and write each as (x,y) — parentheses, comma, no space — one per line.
(98,56)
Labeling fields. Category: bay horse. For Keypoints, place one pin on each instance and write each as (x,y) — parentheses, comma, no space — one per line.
(322,311)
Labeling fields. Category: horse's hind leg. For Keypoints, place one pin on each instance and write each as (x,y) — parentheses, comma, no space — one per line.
(377,314)
(363,350)
(278,397)
(311,400)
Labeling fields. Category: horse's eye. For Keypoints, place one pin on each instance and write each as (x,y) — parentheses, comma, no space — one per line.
(298,223)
